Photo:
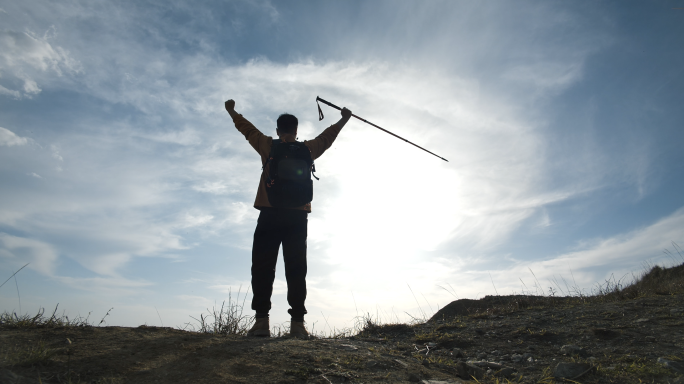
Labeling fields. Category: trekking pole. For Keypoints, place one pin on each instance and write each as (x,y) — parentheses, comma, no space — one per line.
(320,117)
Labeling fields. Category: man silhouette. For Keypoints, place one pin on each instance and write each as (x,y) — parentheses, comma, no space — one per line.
(275,226)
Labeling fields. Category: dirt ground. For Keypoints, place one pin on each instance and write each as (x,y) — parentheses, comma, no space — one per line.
(620,342)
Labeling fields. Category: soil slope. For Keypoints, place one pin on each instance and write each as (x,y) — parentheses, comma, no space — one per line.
(496,339)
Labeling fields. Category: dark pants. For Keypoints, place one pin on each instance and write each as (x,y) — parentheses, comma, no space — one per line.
(276,226)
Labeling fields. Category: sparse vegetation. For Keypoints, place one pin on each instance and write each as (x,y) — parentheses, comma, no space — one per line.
(28,355)
(625,323)
(13,320)
(228,320)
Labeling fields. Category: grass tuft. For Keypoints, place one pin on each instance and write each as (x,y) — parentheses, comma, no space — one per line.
(13,320)
(228,320)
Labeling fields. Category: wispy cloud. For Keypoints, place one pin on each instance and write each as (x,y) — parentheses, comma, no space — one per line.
(41,256)
(24,54)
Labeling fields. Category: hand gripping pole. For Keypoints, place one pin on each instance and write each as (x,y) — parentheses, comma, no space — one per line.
(320,117)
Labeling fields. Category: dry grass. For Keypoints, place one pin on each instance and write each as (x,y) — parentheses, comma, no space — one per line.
(228,320)
(13,320)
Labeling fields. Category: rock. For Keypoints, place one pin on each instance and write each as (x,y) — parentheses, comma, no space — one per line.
(371,363)
(676,311)
(573,350)
(426,364)
(481,355)
(401,363)
(673,365)
(516,358)
(527,356)
(466,371)
(412,377)
(431,345)
(457,353)
(642,320)
(348,347)
(570,370)
(530,359)
(505,372)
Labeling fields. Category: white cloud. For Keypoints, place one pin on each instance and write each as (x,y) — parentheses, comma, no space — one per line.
(9,138)
(196,220)
(23,55)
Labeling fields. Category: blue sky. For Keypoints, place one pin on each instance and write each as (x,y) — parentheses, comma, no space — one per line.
(126,185)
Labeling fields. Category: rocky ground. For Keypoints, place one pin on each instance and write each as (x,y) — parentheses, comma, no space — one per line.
(494,340)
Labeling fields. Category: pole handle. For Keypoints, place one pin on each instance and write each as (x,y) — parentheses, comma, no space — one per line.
(328,103)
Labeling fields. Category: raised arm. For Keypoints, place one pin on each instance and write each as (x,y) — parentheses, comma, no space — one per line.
(323,141)
(260,142)
(346,115)
(230,107)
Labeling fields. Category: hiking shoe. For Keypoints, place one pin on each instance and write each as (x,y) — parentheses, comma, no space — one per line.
(260,328)
(297,330)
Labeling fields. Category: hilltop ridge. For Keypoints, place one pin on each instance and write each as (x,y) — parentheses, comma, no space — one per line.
(624,335)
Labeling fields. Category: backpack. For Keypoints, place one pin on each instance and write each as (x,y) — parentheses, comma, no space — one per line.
(290,168)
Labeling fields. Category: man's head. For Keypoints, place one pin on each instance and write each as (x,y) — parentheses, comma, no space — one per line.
(287,124)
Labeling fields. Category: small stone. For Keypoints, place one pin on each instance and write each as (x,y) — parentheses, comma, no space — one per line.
(371,363)
(481,355)
(530,359)
(673,365)
(466,371)
(348,347)
(401,363)
(457,353)
(570,349)
(516,358)
(431,345)
(526,356)
(412,377)
(505,372)
(573,350)
(643,320)
(570,370)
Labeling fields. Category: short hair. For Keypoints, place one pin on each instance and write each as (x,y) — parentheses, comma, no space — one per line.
(287,123)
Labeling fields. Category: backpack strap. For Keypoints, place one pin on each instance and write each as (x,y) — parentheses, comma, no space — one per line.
(270,153)
(313,171)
